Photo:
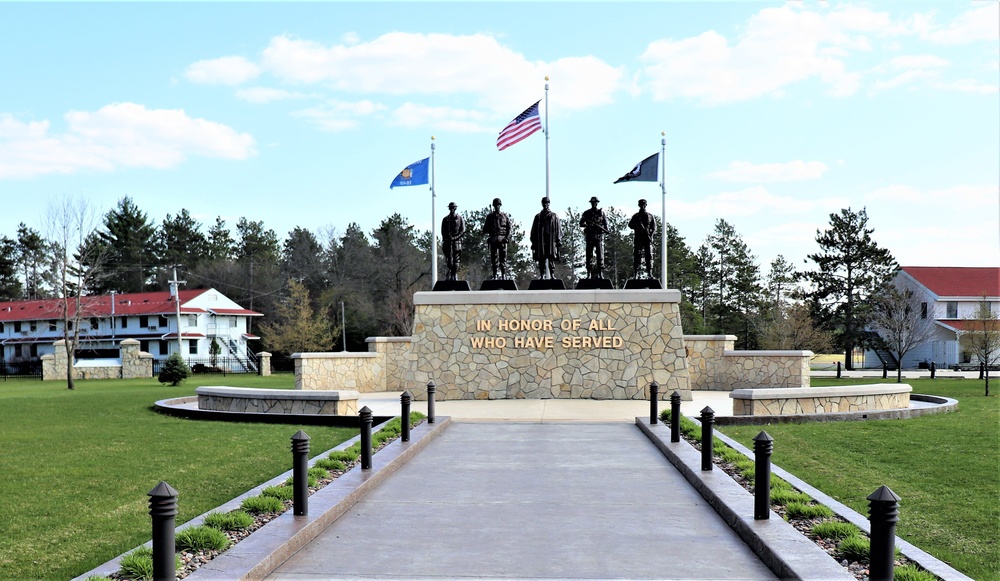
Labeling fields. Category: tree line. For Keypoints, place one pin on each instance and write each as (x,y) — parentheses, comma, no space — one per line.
(302,282)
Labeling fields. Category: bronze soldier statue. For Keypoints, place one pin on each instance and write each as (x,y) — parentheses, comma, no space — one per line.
(546,240)
(452,230)
(497,230)
(644,226)
(595,226)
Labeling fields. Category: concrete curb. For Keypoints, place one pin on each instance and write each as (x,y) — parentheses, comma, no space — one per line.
(781,547)
(265,549)
(911,552)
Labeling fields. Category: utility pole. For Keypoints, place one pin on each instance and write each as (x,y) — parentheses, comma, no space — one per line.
(175,291)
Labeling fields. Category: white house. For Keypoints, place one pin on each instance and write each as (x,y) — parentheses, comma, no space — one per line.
(29,328)
(948,295)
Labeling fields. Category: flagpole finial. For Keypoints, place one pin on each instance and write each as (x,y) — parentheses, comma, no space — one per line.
(546,77)
(432,138)
(661,133)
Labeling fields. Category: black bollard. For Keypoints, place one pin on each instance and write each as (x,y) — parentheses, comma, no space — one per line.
(933,369)
(675,416)
(707,419)
(838,370)
(163,509)
(654,392)
(404,401)
(300,473)
(430,402)
(763,445)
(982,370)
(885,370)
(883,513)
(365,415)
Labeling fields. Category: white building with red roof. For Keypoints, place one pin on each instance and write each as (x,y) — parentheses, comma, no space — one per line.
(950,296)
(28,329)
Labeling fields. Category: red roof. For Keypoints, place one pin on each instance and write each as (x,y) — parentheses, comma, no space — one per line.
(128,304)
(244,312)
(966,324)
(957,281)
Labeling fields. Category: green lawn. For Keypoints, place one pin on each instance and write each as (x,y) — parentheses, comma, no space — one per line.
(76,466)
(945,468)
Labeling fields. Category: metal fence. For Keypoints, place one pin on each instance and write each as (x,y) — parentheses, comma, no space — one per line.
(20,369)
(214,366)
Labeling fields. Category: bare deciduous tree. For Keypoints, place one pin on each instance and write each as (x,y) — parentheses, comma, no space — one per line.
(896,317)
(982,337)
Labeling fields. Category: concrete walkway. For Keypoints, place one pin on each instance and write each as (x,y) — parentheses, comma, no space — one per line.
(530,500)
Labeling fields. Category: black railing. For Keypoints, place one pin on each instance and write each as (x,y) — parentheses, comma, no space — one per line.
(20,369)
(212,365)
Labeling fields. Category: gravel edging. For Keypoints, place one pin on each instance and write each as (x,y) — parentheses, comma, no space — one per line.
(260,553)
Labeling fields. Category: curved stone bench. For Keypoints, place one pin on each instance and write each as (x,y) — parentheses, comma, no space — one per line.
(277,401)
(819,400)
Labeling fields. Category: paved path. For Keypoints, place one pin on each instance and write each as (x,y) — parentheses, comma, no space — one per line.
(530,500)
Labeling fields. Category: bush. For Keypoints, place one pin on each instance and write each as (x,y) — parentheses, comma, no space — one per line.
(279,492)
(229,521)
(346,456)
(311,481)
(174,370)
(262,504)
(911,573)
(779,484)
(783,497)
(803,510)
(835,530)
(318,473)
(201,538)
(855,548)
(730,455)
(138,565)
(333,465)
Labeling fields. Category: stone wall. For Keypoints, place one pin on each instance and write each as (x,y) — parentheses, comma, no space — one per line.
(340,370)
(704,353)
(395,353)
(547,344)
(818,400)
(277,401)
(133,364)
(715,366)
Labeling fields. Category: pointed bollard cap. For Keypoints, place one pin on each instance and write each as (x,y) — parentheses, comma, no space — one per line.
(676,394)
(763,437)
(300,435)
(707,411)
(406,396)
(162,490)
(883,494)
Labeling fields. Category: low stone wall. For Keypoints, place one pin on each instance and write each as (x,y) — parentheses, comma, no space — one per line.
(340,370)
(395,352)
(715,366)
(277,401)
(133,364)
(704,355)
(819,400)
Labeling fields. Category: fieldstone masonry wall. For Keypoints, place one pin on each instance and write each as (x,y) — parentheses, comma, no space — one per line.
(358,371)
(547,344)
(394,352)
(818,400)
(133,364)
(277,401)
(716,366)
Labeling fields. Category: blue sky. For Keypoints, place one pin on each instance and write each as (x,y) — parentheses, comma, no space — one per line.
(302,114)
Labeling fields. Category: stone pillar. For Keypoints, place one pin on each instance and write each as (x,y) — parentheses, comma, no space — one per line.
(54,369)
(264,361)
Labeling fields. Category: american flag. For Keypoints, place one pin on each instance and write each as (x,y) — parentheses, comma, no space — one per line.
(520,127)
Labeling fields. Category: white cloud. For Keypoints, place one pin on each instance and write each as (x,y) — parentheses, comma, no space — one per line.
(778,47)
(337,115)
(227,70)
(976,24)
(963,196)
(748,202)
(401,63)
(744,171)
(117,135)
(413,115)
(262,95)
(918,61)
(968,86)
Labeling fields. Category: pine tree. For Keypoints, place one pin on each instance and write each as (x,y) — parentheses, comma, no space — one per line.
(174,370)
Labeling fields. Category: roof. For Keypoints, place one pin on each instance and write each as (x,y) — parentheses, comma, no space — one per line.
(967,324)
(126,304)
(244,312)
(957,281)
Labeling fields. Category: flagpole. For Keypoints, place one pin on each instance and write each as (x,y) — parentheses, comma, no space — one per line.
(547,137)
(434,254)
(663,189)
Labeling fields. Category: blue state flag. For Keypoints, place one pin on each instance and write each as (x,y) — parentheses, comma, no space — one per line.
(415,174)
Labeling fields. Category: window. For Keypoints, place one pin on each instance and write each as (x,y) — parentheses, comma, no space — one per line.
(164,348)
(17,326)
(33,326)
(52,326)
(69,325)
(93,323)
(124,321)
(923,310)
(952,307)
(163,321)
(1,327)
(192,346)
(143,320)
(192,320)
(144,346)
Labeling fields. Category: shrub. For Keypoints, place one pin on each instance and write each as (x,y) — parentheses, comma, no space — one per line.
(779,484)
(835,530)
(784,496)
(174,370)
(201,538)
(854,548)
(727,454)
(347,456)
(261,504)
(911,573)
(329,464)
(318,472)
(97,578)
(138,565)
(229,521)
(311,481)
(279,492)
(801,509)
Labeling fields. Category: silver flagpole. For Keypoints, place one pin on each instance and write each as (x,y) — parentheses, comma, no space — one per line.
(434,253)
(547,137)
(663,189)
